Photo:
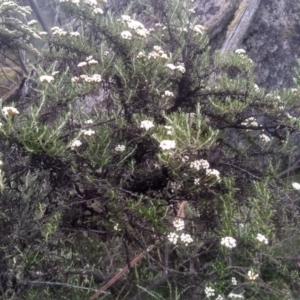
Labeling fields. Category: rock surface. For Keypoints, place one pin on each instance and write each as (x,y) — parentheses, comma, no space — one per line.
(272,39)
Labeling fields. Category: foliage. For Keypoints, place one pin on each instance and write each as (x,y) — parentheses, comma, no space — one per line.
(136,140)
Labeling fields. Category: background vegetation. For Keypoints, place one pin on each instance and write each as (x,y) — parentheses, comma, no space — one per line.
(140,163)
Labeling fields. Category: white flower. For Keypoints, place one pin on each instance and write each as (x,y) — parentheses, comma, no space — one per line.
(296,185)
(220,297)
(43,33)
(98,11)
(147,124)
(1,163)
(171,66)
(141,54)
(132,24)
(75,79)
(9,111)
(120,148)
(250,122)
(185,158)
(240,51)
(178,224)
(209,291)
(46,79)
(126,35)
(261,238)
(264,138)
(180,68)
(75,33)
(213,172)
(96,78)
(75,144)
(32,22)
(173,237)
(199,164)
(117,227)
(91,2)
(92,62)
(228,242)
(197,181)
(89,58)
(192,10)
(82,64)
(233,281)
(251,275)
(167,144)
(125,18)
(1,124)
(88,132)
(88,122)
(199,29)
(175,186)
(235,296)
(186,238)
(167,94)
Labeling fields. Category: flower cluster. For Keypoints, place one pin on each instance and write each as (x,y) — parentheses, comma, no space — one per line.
(250,122)
(46,79)
(228,242)
(90,79)
(220,297)
(170,129)
(75,144)
(186,238)
(209,291)
(199,164)
(89,122)
(235,296)
(173,237)
(58,31)
(264,138)
(9,111)
(157,53)
(146,124)
(213,173)
(262,239)
(120,148)
(240,52)
(178,224)
(32,22)
(179,67)
(251,275)
(167,94)
(137,26)
(97,11)
(88,132)
(167,144)
(126,35)
(296,185)
(198,29)
(233,281)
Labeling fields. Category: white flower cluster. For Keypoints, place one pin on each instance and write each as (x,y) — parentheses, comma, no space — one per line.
(167,144)
(90,79)
(89,122)
(46,79)
(170,129)
(296,186)
(233,281)
(88,132)
(178,224)
(251,275)
(173,237)
(209,291)
(117,227)
(197,181)
(228,242)
(250,122)
(75,144)
(1,163)
(235,296)
(126,35)
(32,22)
(175,186)
(9,111)
(179,67)
(186,238)
(76,2)
(220,297)
(58,31)
(198,29)
(137,26)
(120,148)
(264,138)
(92,3)
(199,164)
(262,239)
(157,53)
(167,94)
(54,73)
(146,124)
(74,33)
(213,173)
(240,52)
(97,11)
